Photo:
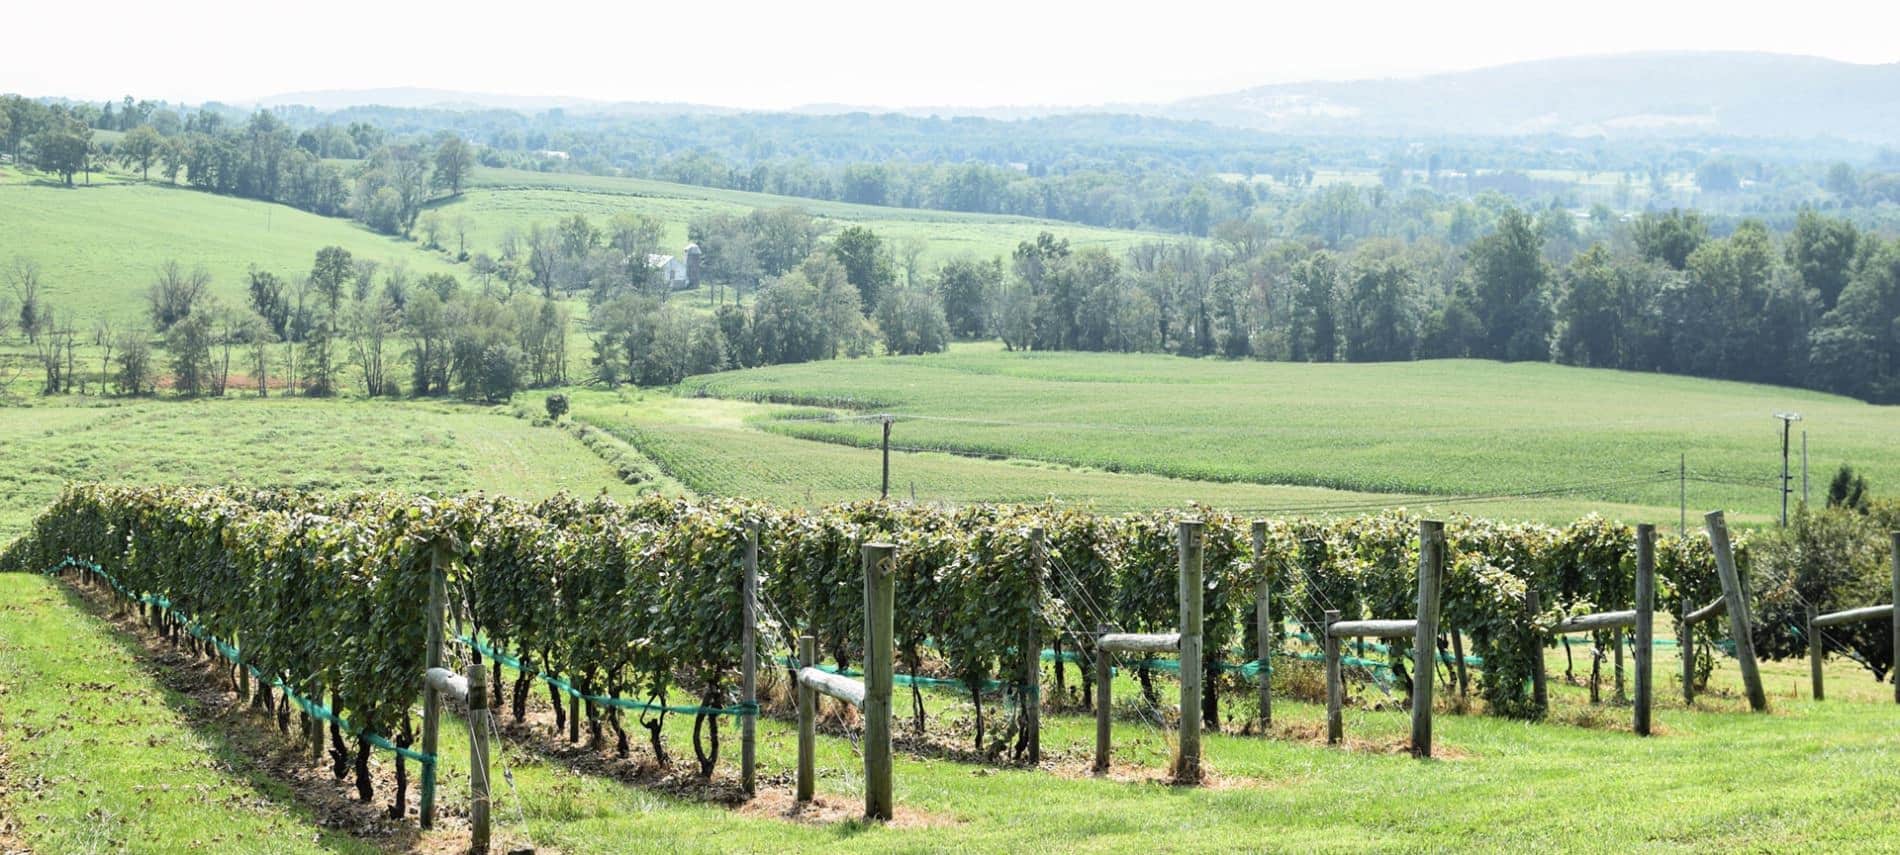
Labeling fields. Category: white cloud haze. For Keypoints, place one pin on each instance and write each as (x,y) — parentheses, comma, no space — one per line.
(781,54)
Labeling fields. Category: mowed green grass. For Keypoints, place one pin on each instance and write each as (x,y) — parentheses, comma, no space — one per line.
(721,448)
(294,443)
(1433,428)
(99,248)
(83,762)
(502,199)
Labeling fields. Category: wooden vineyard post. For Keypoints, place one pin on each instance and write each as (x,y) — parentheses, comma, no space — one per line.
(1263,624)
(1540,691)
(879,648)
(479,789)
(1737,600)
(1814,655)
(1335,687)
(439,559)
(807,720)
(1645,623)
(1187,764)
(1431,571)
(749,665)
(1032,648)
(1895,559)
(1104,697)
(1685,649)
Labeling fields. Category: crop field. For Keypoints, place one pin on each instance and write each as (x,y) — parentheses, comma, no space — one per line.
(289,443)
(99,247)
(85,702)
(502,199)
(1407,431)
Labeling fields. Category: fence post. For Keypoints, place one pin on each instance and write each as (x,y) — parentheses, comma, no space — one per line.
(1814,656)
(1540,691)
(439,559)
(1431,572)
(1263,624)
(478,777)
(1685,650)
(1032,649)
(1645,623)
(879,606)
(1187,766)
(1738,618)
(1104,697)
(1895,558)
(749,665)
(807,719)
(1335,687)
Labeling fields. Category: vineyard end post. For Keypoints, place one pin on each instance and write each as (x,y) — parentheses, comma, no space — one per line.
(749,665)
(1187,765)
(807,720)
(479,789)
(439,559)
(1814,656)
(1032,647)
(1263,624)
(879,648)
(1645,623)
(1738,617)
(1104,697)
(1540,691)
(1431,574)
(1335,687)
(1895,558)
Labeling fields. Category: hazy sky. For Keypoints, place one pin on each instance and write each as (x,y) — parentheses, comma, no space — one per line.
(896,53)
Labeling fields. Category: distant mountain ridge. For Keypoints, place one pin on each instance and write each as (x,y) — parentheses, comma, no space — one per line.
(1628,95)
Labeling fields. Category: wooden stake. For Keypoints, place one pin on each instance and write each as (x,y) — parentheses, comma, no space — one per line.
(1104,698)
(879,648)
(1187,762)
(439,560)
(1263,624)
(1431,571)
(807,720)
(1685,649)
(749,664)
(1540,691)
(1814,656)
(1738,621)
(1335,687)
(1645,623)
(1895,558)
(478,779)
(1032,648)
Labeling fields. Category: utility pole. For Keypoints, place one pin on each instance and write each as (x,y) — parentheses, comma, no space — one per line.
(885,492)
(1787,486)
(1804,467)
(1682,495)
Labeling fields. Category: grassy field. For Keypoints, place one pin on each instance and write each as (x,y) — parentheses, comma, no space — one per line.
(285,442)
(85,704)
(1406,430)
(502,199)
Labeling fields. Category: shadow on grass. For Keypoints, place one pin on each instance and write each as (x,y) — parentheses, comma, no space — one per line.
(276,771)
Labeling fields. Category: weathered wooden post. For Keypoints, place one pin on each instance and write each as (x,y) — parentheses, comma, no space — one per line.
(1187,765)
(1738,618)
(1685,650)
(1032,648)
(1263,624)
(1814,655)
(1645,622)
(879,648)
(807,720)
(1335,685)
(1104,698)
(1540,691)
(439,560)
(478,777)
(1431,571)
(749,665)
(1895,558)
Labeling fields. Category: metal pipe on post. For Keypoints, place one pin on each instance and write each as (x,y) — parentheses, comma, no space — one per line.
(1104,698)
(1645,624)
(749,665)
(1263,623)
(439,560)
(1814,655)
(807,720)
(479,789)
(1737,600)
(1335,687)
(1431,571)
(1187,764)
(1540,691)
(879,648)
(1032,647)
